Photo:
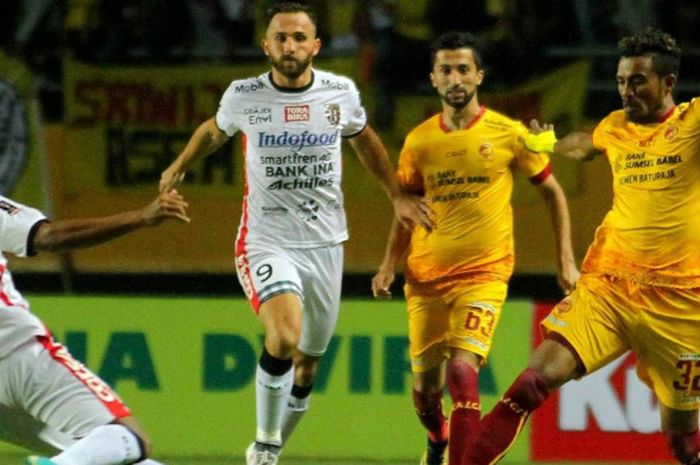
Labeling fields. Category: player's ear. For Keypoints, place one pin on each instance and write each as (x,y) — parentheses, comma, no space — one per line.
(669,83)
(317,46)
(264,47)
(479,76)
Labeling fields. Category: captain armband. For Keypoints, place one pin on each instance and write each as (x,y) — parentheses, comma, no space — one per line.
(542,142)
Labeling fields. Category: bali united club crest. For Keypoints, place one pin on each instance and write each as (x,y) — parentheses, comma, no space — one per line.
(333,113)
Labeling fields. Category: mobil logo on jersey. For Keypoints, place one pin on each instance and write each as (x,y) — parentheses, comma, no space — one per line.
(296,140)
(609,415)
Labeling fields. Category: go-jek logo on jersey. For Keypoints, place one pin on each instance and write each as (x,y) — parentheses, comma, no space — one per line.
(297,141)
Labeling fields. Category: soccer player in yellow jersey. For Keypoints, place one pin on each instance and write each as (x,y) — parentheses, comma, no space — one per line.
(640,283)
(462,160)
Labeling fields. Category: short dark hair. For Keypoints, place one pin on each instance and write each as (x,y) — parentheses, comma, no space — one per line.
(665,52)
(454,40)
(292,7)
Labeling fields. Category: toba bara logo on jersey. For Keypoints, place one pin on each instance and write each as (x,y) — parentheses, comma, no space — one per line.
(295,113)
(297,141)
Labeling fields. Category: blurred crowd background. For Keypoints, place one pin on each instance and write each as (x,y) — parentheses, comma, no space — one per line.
(520,38)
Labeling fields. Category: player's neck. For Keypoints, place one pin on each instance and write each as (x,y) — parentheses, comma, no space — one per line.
(280,80)
(455,118)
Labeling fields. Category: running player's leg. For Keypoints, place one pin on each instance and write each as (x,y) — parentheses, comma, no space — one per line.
(597,307)
(668,351)
(462,375)
(305,369)
(321,272)
(273,287)
(428,387)
(475,309)
(681,429)
(428,330)
(551,364)
(281,319)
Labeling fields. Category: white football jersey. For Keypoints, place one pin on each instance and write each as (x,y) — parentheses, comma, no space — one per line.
(292,150)
(17,225)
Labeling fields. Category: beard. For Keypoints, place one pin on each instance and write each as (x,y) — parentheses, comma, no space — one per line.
(291,68)
(458,103)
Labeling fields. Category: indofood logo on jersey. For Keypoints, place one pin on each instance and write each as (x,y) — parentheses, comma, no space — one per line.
(297,141)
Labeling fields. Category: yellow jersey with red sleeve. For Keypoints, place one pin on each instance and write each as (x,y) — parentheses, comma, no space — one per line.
(652,233)
(467,174)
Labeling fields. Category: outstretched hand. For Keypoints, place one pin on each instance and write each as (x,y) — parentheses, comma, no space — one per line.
(541,138)
(381,284)
(413,210)
(537,128)
(170,178)
(567,278)
(169,205)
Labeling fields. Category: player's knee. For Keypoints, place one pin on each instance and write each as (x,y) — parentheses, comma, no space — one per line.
(283,343)
(427,401)
(460,374)
(685,447)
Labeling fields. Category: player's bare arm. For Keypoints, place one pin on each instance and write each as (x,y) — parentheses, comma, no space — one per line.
(205,140)
(576,145)
(410,210)
(553,195)
(63,235)
(396,246)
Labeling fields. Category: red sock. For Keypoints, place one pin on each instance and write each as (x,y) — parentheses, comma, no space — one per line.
(503,424)
(429,410)
(685,447)
(463,383)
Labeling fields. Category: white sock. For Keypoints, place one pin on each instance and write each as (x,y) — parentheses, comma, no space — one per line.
(105,445)
(271,393)
(148,462)
(296,408)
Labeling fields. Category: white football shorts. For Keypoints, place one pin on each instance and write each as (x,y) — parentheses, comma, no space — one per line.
(48,399)
(314,275)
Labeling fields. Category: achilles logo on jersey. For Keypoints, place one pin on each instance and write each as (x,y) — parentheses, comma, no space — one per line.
(311,183)
(296,113)
(297,141)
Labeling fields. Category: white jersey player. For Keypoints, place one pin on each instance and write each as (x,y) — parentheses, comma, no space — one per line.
(293,156)
(50,402)
(289,254)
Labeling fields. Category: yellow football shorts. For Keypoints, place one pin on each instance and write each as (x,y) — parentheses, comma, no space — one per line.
(464,316)
(606,316)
